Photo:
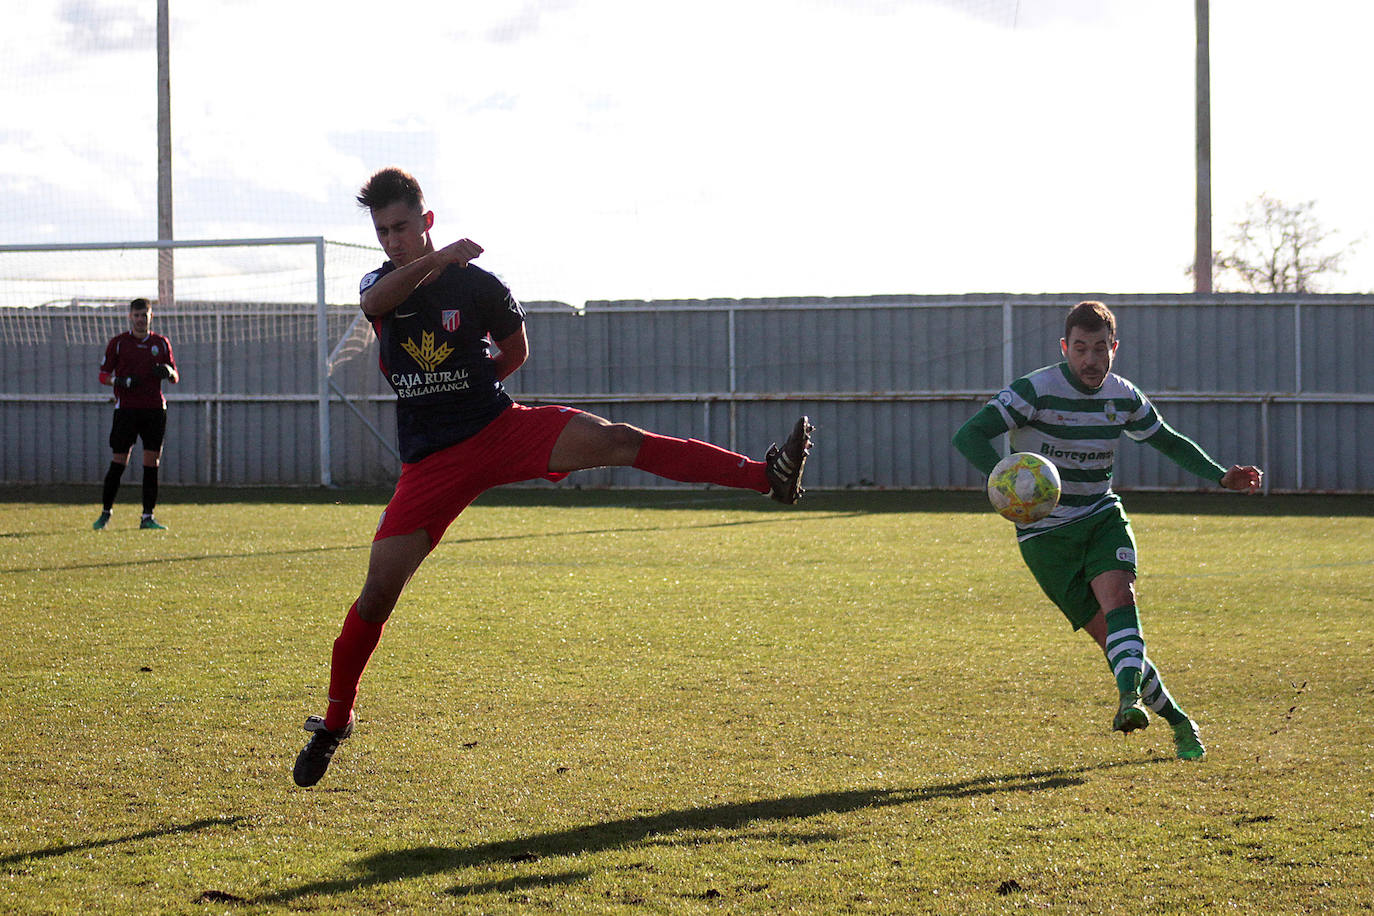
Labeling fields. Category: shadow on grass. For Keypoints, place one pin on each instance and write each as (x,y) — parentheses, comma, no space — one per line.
(366,545)
(655,829)
(17,858)
(190,558)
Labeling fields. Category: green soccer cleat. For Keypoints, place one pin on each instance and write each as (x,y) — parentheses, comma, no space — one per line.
(151,523)
(100,523)
(1187,742)
(1131,715)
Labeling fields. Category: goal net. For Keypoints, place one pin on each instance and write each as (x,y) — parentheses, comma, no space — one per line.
(227,292)
(266,333)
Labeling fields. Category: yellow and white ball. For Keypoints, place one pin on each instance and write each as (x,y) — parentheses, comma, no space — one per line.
(1024,487)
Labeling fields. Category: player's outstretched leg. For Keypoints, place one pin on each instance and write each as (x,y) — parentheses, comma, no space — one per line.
(694,461)
(314,758)
(1187,742)
(784,465)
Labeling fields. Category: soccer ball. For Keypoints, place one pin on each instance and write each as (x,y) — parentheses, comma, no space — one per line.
(1024,487)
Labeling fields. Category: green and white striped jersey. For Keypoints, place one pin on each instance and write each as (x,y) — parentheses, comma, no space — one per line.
(1049,413)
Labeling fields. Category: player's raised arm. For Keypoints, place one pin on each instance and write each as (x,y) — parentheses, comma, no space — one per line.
(459,252)
(383,296)
(1190,456)
(395,287)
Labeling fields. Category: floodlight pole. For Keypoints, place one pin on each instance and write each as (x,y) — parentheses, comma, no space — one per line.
(165,287)
(1202,258)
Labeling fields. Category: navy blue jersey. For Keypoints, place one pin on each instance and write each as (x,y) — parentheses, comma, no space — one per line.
(436,355)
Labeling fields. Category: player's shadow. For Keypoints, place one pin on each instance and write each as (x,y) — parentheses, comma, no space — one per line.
(17,858)
(653,829)
(192,558)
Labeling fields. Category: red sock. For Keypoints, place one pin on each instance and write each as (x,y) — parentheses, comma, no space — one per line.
(351,651)
(694,461)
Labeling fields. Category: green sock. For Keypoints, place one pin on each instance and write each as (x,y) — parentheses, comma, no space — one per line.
(1157,697)
(1126,648)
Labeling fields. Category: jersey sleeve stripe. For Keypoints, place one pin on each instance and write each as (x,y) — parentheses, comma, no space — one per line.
(1024,388)
(1014,417)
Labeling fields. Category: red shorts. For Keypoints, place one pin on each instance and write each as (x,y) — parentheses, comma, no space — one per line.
(432,491)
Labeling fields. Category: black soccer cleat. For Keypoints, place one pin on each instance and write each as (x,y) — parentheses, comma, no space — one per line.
(314,758)
(783,466)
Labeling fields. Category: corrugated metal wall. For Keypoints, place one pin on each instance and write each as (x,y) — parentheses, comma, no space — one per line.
(1281,381)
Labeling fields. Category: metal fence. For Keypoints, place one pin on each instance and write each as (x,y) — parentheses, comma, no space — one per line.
(1280,381)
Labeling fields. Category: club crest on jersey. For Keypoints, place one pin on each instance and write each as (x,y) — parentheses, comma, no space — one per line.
(426,354)
(1110,411)
(451,318)
(153,349)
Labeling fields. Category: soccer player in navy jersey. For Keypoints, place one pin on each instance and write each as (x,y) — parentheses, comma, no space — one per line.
(1083,554)
(436,316)
(136,364)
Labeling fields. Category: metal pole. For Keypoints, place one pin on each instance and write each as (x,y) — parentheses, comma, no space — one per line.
(1008,343)
(1298,439)
(322,332)
(166,293)
(1008,354)
(1264,447)
(219,404)
(1202,260)
(733,436)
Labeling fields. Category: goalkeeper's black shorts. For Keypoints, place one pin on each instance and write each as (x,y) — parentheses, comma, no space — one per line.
(130,423)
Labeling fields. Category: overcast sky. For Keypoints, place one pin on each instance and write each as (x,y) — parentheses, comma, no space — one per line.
(733,148)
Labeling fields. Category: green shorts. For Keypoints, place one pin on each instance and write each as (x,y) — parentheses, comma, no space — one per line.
(1066,560)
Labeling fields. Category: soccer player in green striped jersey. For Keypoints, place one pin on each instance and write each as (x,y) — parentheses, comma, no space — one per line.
(1083,554)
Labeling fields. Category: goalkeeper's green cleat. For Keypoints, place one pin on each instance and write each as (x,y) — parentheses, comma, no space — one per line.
(1187,742)
(151,523)
(100,523)
(1131,715)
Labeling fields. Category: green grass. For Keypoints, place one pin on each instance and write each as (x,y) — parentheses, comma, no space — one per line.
(681,702)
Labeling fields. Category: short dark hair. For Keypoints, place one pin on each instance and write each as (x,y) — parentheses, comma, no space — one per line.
(1091,316)
(389,186)
(139,305)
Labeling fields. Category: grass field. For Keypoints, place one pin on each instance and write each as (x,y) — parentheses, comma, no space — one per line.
(681,702)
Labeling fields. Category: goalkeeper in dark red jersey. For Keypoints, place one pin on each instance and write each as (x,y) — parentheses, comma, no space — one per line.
(136,364)
(436,317)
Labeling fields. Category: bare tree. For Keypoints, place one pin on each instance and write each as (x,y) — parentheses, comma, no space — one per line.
(1278,248)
